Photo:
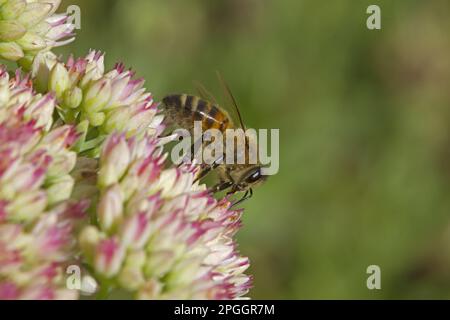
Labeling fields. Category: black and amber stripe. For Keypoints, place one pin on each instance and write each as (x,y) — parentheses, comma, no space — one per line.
(198,109)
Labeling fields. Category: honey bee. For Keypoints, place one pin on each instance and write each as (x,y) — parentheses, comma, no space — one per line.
(183,109)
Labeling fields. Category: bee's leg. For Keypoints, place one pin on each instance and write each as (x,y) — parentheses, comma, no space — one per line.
(204,171)
(208,167)
(247,195)
(221,186)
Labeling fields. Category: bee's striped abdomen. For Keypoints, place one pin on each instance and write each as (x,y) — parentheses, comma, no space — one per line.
(185,109)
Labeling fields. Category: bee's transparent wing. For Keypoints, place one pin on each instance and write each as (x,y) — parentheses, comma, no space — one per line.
(204,93)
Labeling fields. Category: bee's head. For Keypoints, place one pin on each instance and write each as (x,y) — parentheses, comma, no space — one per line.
(250,179)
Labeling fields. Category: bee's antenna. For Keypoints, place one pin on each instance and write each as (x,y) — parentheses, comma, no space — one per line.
(228,92)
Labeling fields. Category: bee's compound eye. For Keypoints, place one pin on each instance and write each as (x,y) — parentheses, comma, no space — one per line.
(254,176)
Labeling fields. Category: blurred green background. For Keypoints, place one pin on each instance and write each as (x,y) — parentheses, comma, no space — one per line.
(364,123)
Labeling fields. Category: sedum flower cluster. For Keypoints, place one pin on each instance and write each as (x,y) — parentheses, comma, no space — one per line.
(159,234)
(99,102)
(28,27)
(38,221)
(84,180)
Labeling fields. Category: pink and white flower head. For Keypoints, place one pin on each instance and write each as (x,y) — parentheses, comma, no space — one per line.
(159,234)
(73,130)
(100,101)
(31,26)
(33,259)
(37,222)
(31,152)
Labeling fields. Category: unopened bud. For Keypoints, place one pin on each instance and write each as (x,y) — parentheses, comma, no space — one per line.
(12,9)
(31,42)
(59,80)
(11,30)
(11,51)
(72,97)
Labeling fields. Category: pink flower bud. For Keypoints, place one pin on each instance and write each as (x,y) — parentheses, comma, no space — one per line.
(136,230)
(59,139)
(114,160)
(110,208)
(41,110)
(109,257)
